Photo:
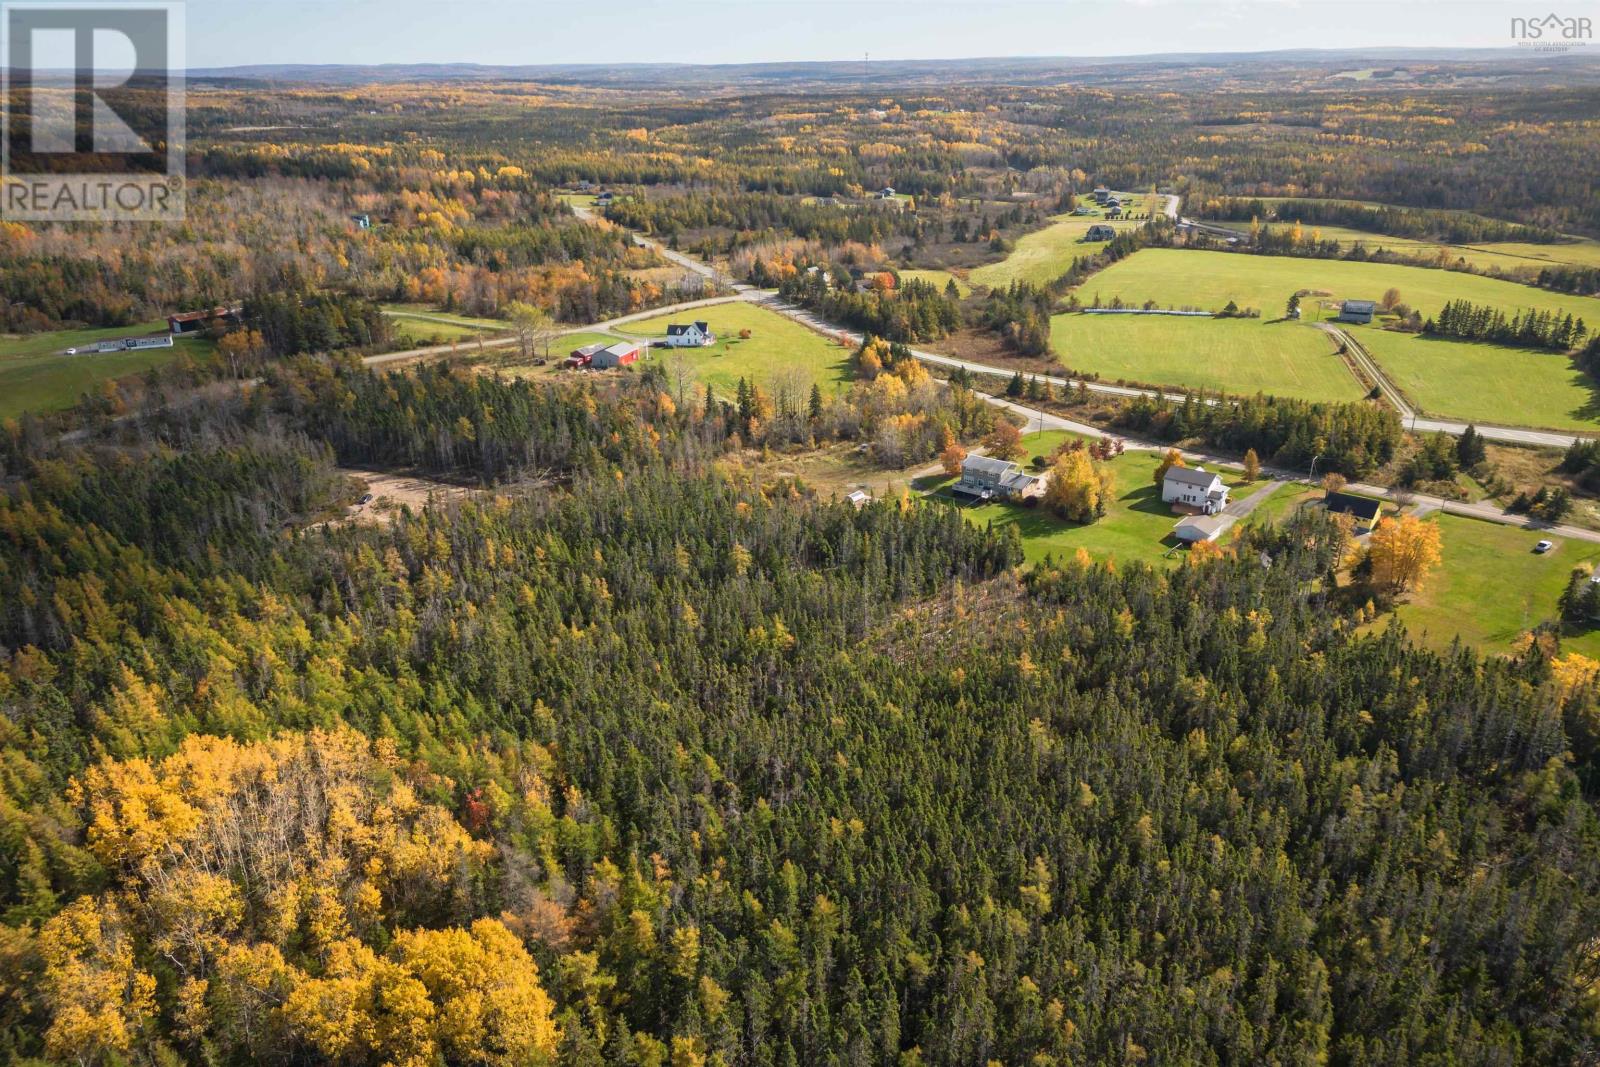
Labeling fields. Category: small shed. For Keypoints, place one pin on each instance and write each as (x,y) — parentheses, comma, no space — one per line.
(1363,510)
(1357,310)
(1201,528)
(621,354)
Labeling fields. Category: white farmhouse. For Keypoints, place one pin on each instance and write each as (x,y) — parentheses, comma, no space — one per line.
(690,335)
(1194,487)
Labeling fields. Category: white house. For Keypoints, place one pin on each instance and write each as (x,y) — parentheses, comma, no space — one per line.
(1194,487)
(690,335)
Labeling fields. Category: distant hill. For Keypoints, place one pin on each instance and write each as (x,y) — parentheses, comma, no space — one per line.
(1402,67)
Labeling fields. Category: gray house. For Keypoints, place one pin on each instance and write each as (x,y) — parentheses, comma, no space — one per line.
(990,479)
(1357,310)
(1100,232)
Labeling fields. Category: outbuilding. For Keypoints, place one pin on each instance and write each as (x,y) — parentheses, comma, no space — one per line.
(1202,528)
(1359,311)
(621,354)
(1363,510)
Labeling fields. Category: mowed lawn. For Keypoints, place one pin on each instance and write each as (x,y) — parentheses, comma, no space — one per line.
(1486,383)
(1137,525)
(35,375)
(1242,356)
(1044,255)
(776,344)
(1491,586)
(1175,277)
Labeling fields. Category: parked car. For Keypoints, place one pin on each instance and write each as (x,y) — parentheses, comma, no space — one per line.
(1544,546)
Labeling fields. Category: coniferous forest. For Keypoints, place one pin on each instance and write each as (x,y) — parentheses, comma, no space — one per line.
(643,763)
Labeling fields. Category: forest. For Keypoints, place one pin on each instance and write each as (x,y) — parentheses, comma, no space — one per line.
(641,762)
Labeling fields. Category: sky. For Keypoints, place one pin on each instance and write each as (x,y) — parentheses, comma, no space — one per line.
(237,32)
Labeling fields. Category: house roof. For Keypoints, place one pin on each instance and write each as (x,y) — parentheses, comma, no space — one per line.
(676,328)
(997,468)
(1360,305)
(1201,527)
(1196,476)
(623,348)
(1346,504)
(198,316)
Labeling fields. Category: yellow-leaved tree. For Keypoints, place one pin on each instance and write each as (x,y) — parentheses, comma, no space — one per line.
(1402,552)
(1078,488)
(1173,458)
(99,1001)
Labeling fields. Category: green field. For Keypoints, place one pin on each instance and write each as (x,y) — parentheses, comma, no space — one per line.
(1486,383)
(1491,586)
(1137,525)
(1044,255)
(1242,356)
(1174,277)
(35,375)
(776,344)
(435,331)
(1506,255)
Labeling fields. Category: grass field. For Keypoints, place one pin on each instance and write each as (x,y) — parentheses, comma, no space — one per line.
(1242,356)
(775,344)
(1044,255)
(434,331)
(35,376)
(1182,277)
(1486,383)
(1491,586)
(1137,525)
(1507,255)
